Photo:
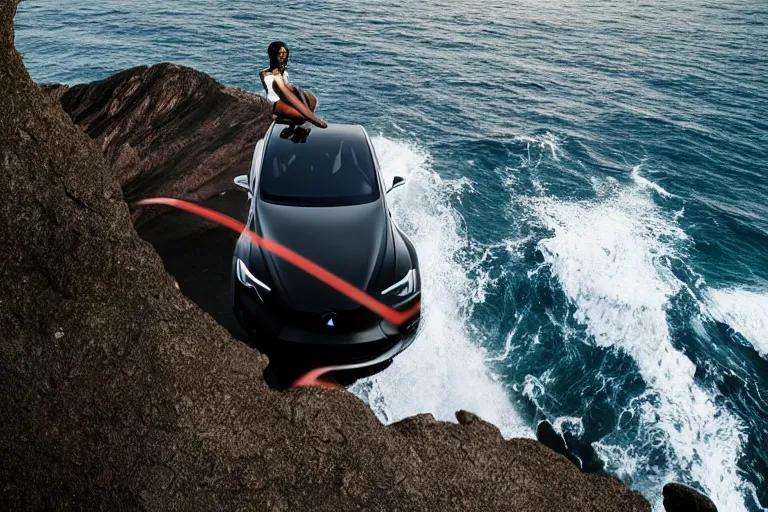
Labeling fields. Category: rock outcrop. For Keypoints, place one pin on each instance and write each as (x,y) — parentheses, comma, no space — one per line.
(168,130)
(548,436)
(119,393)
(681,498)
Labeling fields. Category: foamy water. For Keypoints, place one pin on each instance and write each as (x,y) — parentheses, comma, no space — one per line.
(611,256)
(745,311)
(646,183)
(444,370)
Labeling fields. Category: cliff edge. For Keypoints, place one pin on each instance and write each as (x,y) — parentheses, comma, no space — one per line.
(168,130)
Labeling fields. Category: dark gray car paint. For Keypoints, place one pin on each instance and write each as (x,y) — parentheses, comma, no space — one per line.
(349,241)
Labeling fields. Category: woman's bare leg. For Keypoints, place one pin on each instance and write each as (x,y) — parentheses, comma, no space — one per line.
(302,96)
(312,100)
(307,98)
(291,100)
(284,111)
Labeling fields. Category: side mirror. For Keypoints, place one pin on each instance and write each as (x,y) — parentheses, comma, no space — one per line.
(397,182)
(242,182)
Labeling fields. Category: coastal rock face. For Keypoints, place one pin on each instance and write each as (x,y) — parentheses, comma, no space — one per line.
(547,435)
(681,498)
(168,130)
(119,393)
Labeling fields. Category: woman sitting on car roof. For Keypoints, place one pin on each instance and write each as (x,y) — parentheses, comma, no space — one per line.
(289,102)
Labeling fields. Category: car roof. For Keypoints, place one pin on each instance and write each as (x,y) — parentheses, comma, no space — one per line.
(321,175)
(334,133)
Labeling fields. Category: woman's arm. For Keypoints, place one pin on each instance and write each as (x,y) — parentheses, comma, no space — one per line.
(288,83)
(286,94)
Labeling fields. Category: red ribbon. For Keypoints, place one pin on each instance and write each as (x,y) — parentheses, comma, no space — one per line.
(332,280)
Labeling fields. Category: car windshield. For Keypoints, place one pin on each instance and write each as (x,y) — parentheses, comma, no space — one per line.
(318,167)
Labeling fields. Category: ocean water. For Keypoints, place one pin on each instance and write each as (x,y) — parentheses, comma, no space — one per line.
(587,187)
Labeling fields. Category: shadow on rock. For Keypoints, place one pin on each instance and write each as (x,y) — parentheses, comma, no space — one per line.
(572,448)
(681,498)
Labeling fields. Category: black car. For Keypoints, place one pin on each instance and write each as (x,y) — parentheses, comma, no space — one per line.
(320,192)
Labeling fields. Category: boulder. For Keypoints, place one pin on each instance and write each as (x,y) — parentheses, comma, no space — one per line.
(681,498)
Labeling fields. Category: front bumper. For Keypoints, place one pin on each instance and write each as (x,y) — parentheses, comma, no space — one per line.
(361,345)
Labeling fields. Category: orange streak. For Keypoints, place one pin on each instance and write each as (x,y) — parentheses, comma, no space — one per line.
(332,280)
(312,378)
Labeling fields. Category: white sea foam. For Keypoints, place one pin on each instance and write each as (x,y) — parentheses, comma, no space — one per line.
(745,311)
(572,424)
(609,255)
(623,462)
(508,342)
(646,183)
(547,141)
(397,127)
(443,371)
(538,187)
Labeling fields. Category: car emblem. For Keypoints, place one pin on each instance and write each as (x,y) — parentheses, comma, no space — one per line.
(329,319)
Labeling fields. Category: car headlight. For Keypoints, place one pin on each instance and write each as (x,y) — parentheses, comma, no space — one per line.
(405,286)
(250,281)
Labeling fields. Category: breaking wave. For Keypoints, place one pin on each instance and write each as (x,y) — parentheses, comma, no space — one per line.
(612,256)
(744,311)
(443,371)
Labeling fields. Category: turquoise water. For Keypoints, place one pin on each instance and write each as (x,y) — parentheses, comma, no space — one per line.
(586,186)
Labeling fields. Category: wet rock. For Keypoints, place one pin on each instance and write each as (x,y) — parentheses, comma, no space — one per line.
(590,461)
(681,498)
(466,417)
(547,435)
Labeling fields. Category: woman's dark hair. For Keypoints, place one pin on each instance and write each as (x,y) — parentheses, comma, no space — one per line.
(272,51)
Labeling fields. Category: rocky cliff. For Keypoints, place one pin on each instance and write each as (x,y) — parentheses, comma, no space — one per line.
(118,392)
(168,130)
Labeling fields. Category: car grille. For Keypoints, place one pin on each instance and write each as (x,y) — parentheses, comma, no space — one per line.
(343,322)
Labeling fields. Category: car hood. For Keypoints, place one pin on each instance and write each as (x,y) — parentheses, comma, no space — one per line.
(348,241)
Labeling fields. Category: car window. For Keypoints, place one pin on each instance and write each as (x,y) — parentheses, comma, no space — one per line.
(331,167)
